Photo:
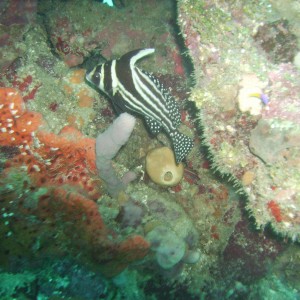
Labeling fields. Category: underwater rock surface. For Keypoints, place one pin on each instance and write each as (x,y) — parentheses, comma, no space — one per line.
(262,140)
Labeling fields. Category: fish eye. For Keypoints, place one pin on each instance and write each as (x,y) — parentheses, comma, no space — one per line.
(96,77)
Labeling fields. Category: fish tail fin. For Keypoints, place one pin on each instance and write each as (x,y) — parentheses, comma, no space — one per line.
(182,145)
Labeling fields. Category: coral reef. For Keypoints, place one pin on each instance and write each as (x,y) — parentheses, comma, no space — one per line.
(258,146)
(54,173)
(233,68)
(38,213)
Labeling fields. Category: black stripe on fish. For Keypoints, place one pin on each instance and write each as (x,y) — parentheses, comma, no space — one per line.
(138,92)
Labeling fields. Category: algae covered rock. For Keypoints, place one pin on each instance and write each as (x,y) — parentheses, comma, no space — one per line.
(271,143)
(249,126)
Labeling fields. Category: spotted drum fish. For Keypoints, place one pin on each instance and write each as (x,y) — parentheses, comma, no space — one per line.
(137,92)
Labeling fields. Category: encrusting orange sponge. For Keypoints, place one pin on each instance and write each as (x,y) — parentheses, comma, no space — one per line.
(16,125)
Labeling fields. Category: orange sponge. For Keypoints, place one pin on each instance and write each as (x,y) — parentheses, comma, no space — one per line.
(16,125)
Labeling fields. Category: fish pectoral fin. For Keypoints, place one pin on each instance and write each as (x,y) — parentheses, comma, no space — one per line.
(153,125)
(118,110)
(118,105)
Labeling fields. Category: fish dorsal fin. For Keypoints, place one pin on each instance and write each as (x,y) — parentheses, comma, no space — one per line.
(173,108)
(133,56)
(182,145)
(153,126)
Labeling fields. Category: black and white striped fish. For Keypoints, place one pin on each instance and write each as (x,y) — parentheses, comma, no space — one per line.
(137,92)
